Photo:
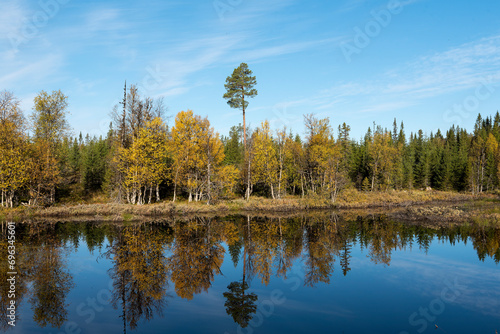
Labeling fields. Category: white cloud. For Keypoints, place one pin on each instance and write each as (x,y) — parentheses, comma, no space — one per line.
(31,71)
(455,70)
(198,55)
(12,17)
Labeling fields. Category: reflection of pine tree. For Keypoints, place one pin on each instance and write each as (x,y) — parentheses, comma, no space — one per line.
(235,251)
(424,241)
(345,257)
(238,305)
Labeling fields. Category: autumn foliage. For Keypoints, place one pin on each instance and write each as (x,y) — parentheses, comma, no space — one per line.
(143,159)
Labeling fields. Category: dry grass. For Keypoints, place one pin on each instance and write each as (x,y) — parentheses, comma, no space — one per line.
(349,199)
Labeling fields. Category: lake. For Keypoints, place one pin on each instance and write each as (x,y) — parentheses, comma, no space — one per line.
(309,273)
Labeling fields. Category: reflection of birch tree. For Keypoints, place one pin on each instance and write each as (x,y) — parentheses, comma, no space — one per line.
(196,258)
(51,285)
(319,258)
(139,274)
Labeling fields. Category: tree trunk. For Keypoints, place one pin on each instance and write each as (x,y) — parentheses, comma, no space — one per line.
(302,184)
(209,185)
(244,122)
(373,180)
(279,181)
(248,180)
(175,184)
(482,178)
(157,192)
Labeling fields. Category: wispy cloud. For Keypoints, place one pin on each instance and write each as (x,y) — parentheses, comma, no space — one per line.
(452,70)
(350,5)
(30,71)
(175,65)
(408,84)
(263,53)
(433,273)
(252,14)
(191,57)
(12,15)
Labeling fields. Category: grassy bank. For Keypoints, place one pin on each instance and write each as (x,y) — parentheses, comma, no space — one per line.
(483,211)
(349,199)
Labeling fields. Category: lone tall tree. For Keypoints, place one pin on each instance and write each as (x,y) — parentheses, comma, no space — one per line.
(240,86)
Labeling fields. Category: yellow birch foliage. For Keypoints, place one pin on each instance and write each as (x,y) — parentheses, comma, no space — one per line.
(152,147)
(294,162)
(13,161)
(185,135)
(383,155)
(44,173)
(264,161)
(144,163)
(493,148)
(198,155)
(318,150)
(13,148)
(282,171)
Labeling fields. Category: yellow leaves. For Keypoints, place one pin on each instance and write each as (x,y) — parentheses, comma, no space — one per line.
(198,154)
(13,147)
(492,144)
(493,149)
(197,257)
(144,163)
(228,177)
(186,152)
(383,153)
(43,170)
(230,233)
(13,158)
(264,160)
(49,116)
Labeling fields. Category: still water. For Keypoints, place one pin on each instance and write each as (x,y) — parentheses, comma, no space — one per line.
(305,274)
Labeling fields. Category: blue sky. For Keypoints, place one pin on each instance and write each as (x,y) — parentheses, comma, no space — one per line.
(429,63)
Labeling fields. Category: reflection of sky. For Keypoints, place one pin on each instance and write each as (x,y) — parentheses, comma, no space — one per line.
(370,299)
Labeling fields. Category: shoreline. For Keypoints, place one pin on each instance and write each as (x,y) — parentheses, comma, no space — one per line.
(410,205)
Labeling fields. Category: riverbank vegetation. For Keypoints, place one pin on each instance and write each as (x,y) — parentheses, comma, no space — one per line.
(144,160)
(421,206)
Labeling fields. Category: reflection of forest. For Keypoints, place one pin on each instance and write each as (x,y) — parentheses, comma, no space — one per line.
(189,253)
(41,266)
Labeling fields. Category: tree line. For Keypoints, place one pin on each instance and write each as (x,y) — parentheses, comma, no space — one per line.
(142,159)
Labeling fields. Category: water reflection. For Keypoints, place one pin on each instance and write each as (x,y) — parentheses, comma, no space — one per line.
(240,306)
(189,254)
(139,273)
(197,255)
(41,265)
(51,283)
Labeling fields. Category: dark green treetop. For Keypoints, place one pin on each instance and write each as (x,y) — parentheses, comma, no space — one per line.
(239,86)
